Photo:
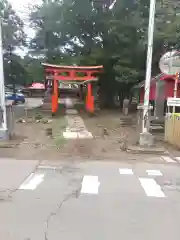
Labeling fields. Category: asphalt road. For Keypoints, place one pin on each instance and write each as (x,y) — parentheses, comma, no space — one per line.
(89,200)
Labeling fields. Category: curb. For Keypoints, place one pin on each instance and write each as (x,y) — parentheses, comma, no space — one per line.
(147,150)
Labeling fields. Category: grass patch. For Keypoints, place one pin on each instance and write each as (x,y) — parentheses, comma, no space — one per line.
(46,113)
(55,129)
(59,141)
(60,112)
(58,127)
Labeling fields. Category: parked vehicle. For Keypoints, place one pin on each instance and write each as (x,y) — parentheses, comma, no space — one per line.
(16,97)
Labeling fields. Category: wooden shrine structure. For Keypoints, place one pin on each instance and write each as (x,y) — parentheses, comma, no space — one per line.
(71,74)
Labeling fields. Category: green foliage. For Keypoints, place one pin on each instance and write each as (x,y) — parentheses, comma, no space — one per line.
(88,33)
(13,36)
(14,70)
(84,32)
(12,26)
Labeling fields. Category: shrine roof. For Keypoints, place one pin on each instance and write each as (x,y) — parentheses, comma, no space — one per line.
(72,67)
(159,77)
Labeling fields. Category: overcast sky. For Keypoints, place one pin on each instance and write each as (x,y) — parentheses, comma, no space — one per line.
(21,5)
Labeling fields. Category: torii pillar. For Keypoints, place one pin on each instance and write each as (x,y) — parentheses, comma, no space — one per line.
(89,99)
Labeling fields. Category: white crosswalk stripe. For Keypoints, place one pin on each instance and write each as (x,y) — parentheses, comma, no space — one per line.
(95,181)
(90,185)
(32,181)
(168,159)
(126,171)
(130,181)
(154,172)
(151,188)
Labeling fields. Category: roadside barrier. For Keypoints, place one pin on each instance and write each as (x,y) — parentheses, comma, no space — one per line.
(172,129)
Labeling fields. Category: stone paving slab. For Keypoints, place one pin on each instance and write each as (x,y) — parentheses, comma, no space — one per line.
(76,128)
(71,111)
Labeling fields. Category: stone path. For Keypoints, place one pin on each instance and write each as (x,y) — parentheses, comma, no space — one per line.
(76,127)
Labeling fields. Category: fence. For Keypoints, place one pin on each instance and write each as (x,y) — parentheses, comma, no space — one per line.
(172,129)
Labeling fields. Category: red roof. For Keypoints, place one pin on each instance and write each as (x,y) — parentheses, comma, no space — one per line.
(166,77)
(37,86)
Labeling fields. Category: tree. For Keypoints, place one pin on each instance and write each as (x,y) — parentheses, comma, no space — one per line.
(89,33)
(48,40)
(167,33)
(12,27)
(34,70)
(92,34)
(13,36)
(14,71)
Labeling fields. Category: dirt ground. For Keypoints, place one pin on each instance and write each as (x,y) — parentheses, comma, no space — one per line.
(39,136)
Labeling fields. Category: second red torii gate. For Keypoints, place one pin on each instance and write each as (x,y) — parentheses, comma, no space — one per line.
(76,74)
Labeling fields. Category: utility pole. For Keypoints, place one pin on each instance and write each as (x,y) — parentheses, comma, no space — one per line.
(3,122)
(175,89)
(145,120)
(148,66)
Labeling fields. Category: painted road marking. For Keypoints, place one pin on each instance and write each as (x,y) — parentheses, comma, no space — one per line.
(126,171)
(90,185)
(32,181)
(168,159)
(151,188)
(154,172)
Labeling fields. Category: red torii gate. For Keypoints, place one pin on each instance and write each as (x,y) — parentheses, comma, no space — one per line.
(76,74)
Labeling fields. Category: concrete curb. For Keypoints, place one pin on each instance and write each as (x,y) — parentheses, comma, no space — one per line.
(146,150)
